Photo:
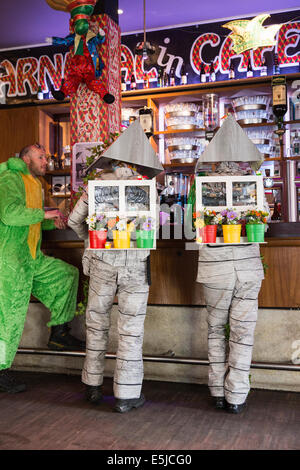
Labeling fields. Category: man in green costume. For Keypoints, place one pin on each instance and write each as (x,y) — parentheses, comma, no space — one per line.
(24,269)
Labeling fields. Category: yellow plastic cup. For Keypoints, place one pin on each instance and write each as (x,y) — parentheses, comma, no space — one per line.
(232,233)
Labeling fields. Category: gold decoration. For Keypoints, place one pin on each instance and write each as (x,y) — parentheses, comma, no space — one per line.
(59,4)
(251,34)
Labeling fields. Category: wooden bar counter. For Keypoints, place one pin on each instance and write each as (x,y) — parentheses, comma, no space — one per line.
(174,269)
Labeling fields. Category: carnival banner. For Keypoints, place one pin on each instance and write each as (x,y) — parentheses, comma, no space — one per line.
(23,72)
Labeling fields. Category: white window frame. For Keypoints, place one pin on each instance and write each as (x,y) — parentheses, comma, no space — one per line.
(229,180)
(121,184)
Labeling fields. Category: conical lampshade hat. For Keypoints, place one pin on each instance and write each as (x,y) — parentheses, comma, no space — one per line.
(132,147)
(230,144)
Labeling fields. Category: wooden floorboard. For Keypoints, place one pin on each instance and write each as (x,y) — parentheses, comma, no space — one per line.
(53,414)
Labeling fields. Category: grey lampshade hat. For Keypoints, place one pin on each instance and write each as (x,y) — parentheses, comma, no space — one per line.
(231,144)
(132,147)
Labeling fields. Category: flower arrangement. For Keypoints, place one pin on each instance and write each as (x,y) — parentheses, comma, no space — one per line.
(121,223)
(144,223)
(207,217)
(256,217)
(97,222)
(230,217)
(212,217)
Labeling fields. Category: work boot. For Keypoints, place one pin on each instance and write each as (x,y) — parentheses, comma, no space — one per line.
(124,405)
(219,402)
(9,384)
(61,340)
(93,394)
(235,408)
(108,98)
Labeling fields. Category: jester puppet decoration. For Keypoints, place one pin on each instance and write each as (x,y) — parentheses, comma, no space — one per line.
(85,65)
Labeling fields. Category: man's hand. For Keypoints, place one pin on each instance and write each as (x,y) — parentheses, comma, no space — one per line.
(59,218)
(60,223)
(52,214)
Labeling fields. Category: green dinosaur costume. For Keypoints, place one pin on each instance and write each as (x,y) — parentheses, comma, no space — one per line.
(23,267)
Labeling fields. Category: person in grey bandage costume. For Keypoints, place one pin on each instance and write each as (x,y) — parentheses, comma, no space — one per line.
(117,272)
(122,273)
(231,278)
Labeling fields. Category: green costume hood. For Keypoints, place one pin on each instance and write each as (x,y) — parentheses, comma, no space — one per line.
(14,164)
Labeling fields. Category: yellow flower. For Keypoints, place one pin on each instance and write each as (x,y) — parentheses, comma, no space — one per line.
(199,223)
(199,240)
(130,226)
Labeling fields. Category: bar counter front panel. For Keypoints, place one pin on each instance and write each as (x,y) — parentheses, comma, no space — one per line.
(174,269)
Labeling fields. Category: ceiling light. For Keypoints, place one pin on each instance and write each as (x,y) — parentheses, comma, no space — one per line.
(120,12)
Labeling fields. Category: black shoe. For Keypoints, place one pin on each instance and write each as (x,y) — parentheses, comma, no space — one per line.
(9,384)
(122,405)
(94,394)
(235,408)
(61,340)
(108,98)
(219,402)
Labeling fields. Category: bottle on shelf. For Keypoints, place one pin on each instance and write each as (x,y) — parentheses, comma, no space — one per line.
(276,212)
(184,75)
(160,78)
(123,83)
(279,94)
(249,69)
(50,164)
(132,82)
(202,74)
(165,79)
(276,69)
(264,68)
(40,94)
(231,74)
(146,120)
(212,73)
(172,77)
(56,162)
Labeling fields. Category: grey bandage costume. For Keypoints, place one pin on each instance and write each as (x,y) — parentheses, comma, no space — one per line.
(231,277)
(122,273)
(118,272)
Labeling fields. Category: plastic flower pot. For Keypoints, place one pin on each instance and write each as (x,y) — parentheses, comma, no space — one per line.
(121,239)
(255,232)
(209,234)
(232,233)
(144,238)
(97,238)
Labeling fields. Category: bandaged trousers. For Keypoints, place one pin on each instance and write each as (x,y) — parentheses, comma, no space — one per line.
(231,277)
(234,303)
(130,284)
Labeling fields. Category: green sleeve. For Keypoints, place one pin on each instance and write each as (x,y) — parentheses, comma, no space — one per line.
(13,210)
(48,224)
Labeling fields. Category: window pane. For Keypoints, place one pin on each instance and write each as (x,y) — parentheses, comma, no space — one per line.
(244,194)
(137,198)
(106,198)
(214,194)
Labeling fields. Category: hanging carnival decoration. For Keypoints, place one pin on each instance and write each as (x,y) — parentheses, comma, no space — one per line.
(251,34)
(85,64)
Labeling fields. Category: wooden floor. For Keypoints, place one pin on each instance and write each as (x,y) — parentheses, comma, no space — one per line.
(53,414)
